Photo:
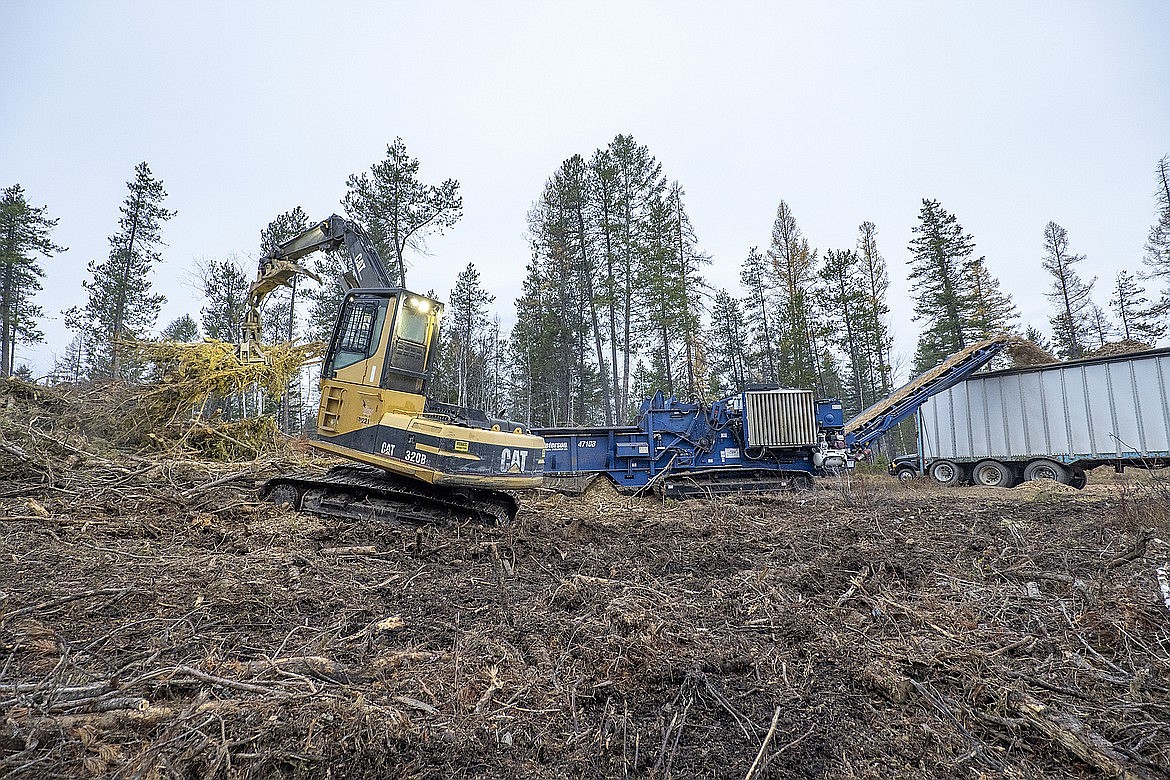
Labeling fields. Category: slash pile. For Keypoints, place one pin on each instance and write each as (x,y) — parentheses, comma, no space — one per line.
(157,621)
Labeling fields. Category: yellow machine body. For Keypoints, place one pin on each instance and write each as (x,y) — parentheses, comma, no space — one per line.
(374,407)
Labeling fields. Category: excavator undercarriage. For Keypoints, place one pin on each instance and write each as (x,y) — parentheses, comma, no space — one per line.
(366,493)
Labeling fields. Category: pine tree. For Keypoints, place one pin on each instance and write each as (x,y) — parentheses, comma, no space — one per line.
(121,304)
(841,292)
(467,316)
(792,267)
(280,309)
(70,366)
(992,310)
(24,236)
(637,184)
(1101,330)
(399,211)
(182,329)
(1138,320)
(764,365)
(692,289)
(875,328)
(325,300)
(728,337)
(576,187)
(225,288)
(1037,337)
(1070,295)
(939,254)
(559,273)
(1158,242)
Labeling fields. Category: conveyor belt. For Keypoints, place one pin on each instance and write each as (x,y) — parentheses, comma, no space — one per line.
(903,402)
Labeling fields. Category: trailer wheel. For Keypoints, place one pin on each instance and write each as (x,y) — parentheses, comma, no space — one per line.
(1047,469)
(1078,480)
(946,472)
(992,473)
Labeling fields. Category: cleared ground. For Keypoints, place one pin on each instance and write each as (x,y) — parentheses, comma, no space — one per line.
(157,625)
(157,621)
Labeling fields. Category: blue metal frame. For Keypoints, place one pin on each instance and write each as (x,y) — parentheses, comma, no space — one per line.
(677,437)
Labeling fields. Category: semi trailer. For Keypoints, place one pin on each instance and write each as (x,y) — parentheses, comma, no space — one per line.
(1046,422)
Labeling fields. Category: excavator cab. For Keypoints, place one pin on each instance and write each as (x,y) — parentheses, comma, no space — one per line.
(374,407)
(384,338)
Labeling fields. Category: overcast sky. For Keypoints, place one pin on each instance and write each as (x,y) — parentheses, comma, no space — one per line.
(1011,114)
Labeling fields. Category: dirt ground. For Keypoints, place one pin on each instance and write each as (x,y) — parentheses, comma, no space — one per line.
(157,621)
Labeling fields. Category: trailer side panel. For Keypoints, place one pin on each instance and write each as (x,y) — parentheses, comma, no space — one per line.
(1103,409)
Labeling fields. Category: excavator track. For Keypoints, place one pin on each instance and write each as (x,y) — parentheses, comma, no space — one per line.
(370,494)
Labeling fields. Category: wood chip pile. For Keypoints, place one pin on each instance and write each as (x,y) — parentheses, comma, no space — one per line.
(157,621)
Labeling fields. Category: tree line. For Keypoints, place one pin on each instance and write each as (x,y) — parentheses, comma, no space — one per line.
(615,304)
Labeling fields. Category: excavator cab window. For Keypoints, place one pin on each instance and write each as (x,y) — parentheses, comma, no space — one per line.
(414,328)
(356,339)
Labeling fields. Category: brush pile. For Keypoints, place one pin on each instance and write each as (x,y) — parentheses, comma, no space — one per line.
(157,621)
(189,375)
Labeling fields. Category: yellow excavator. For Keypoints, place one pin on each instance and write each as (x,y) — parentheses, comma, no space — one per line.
(412,459)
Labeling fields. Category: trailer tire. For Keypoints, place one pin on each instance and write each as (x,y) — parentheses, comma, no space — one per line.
(992,473)
(1047,469)
(946,472)
(1078,480)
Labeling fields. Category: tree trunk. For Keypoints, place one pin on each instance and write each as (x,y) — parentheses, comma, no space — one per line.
(123,290)
(587,272)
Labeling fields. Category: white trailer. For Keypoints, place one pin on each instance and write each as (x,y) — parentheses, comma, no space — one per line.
(1052,422)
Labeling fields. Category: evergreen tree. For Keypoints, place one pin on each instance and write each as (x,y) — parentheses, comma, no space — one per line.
(467,316)
(280,309)
(1037,337)
(225,288)
(729,339)
(558,275)
(576,194)
(397,209)
(792,266)
(325,300)
(528,351)
(182,329)
(121,304)
(992,310)
(692,289)
(939,255)
(669,289)
(875,329)
(24,236)
(763,364)
(70,366)
(1138,320)
(1158,242)
(843,296)
(1100,330)
(1070,295)
(637,185)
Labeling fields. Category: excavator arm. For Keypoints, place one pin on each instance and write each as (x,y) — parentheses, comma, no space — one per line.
(280,266)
